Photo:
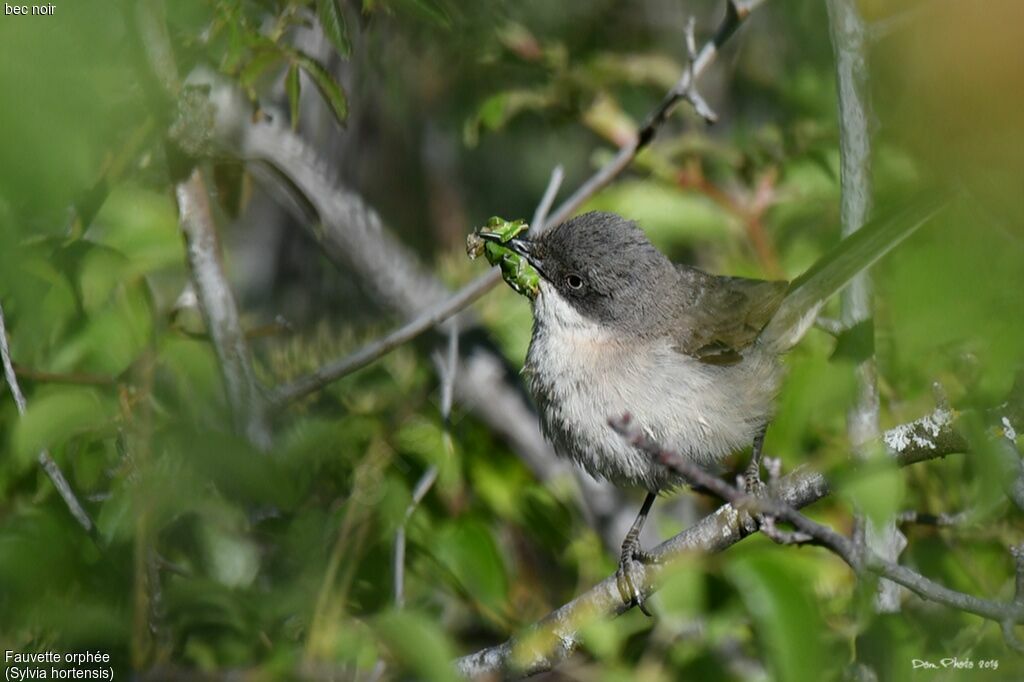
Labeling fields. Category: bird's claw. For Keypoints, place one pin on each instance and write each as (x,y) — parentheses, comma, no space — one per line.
(626,577)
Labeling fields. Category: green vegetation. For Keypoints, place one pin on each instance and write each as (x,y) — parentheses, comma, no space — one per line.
(215,552)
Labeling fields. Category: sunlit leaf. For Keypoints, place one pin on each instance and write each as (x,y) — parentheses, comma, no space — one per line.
(232,557)
(668,215)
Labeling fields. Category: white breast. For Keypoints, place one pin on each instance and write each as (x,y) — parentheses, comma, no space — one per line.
(581,374)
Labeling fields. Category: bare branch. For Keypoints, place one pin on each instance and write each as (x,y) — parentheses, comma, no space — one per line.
(540,214)
(735,14)
(556,636)
(336,369)
(45,460)
(447,368)
(691,94)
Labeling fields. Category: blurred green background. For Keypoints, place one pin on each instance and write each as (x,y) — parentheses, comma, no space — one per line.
(215,557)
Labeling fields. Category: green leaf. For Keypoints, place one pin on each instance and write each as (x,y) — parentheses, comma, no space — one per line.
(878,490)
(333,23)
(787,620)
(497,110)
(468,550)
(258,65)
(232,558)
(659,208)
(51,419)
(417,643)
(292,86)
(429,10)
(328,88)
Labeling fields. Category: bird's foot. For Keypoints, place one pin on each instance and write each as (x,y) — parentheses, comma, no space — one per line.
(754,487)
(752,483)
(627,578)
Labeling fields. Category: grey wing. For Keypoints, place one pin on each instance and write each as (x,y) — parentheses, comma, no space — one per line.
(724,315)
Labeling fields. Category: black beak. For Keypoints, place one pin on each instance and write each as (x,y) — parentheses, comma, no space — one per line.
(523,247)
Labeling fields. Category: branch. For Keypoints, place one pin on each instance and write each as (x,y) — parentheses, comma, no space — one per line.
(549,641)
(220,312)
(45,460)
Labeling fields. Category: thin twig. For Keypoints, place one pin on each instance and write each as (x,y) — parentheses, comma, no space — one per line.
(691,94)
(45,460)
(547,200)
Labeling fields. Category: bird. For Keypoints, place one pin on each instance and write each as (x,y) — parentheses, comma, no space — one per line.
(695,359)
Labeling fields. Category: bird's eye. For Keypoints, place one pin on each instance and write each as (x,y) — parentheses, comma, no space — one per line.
(574,281)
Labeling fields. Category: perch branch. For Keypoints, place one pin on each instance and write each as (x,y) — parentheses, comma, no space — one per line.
(553,638)
(45,460)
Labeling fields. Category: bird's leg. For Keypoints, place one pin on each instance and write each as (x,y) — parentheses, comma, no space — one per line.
(632,555)
(752,475)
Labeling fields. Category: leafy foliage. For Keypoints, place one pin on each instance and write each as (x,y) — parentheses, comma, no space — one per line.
(215,556)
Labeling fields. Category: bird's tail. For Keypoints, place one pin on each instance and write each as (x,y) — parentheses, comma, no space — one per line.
(833,271)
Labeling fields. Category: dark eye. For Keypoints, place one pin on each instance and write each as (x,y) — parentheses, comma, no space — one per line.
(574,281)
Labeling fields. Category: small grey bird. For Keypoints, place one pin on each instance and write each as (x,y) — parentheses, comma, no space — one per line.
(694,358)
